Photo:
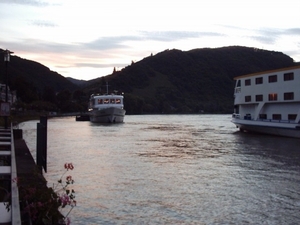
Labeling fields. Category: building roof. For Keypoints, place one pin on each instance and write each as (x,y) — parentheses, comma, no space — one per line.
(268,71)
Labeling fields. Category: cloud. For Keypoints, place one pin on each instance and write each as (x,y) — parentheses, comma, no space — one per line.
(106,43)
(270,36)
(43,23)
(101,44)
(34,46)
(27,2)
(114,42)
(98,65)
(167,36)
(264,39)
(293,31)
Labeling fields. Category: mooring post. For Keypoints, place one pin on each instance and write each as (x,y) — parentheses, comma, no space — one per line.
(41,144)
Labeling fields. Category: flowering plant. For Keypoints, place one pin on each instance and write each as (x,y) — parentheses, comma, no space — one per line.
(44,204)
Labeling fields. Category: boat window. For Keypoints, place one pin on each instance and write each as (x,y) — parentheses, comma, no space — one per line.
(118,101)
(106,101)
(236,109)
(288,96)
(258,80)
(276,116)
(238,83)
(247,82)
(100,101)
(263,116)
(272,78)
(248,98)
(292,116)
(112,101)
(273,97)
(259,98)
(288,76)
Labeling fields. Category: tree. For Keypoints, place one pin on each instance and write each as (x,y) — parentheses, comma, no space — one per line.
(49,95)
(26,92)
(64,100)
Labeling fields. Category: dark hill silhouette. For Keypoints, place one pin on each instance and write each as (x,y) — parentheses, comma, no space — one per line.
(199,80)
(172,81)
(35,74)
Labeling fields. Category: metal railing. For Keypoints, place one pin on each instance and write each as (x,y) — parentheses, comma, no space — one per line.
(8,140)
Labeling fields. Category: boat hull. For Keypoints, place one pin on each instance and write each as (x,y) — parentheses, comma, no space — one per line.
(107,115)
(272,128)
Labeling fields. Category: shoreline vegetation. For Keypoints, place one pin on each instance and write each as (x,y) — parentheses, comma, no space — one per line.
(16,119)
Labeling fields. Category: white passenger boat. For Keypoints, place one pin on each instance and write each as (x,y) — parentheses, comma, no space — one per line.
(107,108)
(268,102)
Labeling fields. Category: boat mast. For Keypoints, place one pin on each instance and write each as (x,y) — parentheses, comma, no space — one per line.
(106,87)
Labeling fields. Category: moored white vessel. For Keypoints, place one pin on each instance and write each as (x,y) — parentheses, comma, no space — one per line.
(268,102)
(106,108)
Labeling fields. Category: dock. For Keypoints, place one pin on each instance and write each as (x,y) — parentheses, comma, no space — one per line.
(83,117)
(17,168)
(8,175)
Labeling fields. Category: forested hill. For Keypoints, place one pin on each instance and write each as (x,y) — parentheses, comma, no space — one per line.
(33,75)
(172,81)
(199,80)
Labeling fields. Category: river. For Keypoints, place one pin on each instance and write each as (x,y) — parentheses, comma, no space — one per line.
(174,169)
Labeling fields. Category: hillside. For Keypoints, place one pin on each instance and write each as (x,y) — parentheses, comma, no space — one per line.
(199,80)
(79,83)
(172,81)
(33,75)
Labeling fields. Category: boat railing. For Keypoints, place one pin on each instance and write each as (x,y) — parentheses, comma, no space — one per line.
(235,115)
(277,121)
(237,89)
(248,117)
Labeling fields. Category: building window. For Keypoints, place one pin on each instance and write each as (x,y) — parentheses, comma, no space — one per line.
(238,84)
(272,97)
(263,116)
(288,96)
(292,116)
(272,78)
(259,98)
(247,82)
(258,80)
(276,116)
(288,76)
(248,98)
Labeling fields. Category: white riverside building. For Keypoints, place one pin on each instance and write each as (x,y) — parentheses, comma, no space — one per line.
(268,102)
(11,96)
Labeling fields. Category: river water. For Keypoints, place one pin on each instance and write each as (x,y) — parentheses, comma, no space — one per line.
(174,169)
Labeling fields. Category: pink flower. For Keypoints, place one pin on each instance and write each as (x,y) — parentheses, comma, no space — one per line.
(65,200)
(69,166)
(69,178)
(68,221)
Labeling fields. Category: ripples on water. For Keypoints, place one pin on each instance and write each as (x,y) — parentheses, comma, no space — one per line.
(174,169)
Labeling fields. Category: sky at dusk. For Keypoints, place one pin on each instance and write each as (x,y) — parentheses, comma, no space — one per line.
(88,39)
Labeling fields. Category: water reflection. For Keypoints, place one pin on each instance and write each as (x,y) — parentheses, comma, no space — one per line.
(281,149)
(176,169)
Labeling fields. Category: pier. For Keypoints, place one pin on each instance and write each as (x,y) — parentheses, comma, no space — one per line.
(8,176)
(17,168)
